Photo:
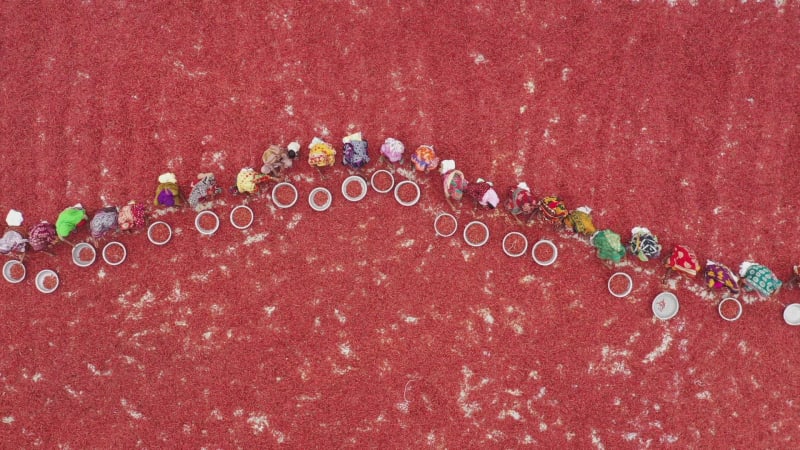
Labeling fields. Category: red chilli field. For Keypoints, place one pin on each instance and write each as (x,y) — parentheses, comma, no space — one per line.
(359,327)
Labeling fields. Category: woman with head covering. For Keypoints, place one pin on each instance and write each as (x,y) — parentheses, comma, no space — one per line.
(644,244)
(104,221)
(276,159)
(454,182)
(320,155)
(248,181)
(609,245)
(756,277)
(718,276)
(205,189)
(132,216)
(483,193)
(70,219)
(425,159)
(553,209)
(392,150)
(682,260)
(168,193)
(354,153)
(13,240)
(580,221)
(520,201)
(42,236)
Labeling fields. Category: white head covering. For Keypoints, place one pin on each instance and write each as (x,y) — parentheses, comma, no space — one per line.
(447,165)
(491,198)
(168,177)
(14,218)
(294,146)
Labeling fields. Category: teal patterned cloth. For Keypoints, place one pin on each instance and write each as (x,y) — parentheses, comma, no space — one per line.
(760,279)
(609,245)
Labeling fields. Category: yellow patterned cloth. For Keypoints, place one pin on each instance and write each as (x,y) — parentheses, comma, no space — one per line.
(321,154)
(580,222)
(248,180)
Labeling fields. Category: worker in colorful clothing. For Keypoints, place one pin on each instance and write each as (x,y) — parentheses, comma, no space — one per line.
(682,260)
(483,193)
(521,202)
(104,222)
(580,221)
(168,193)
(454,182)
(13,239)
(425,159)
(644,244)
(609,245)
(205,189)
(718,276)
(321,155)
(70,219)
(553,209)
(132,216)
(42,237)
(354,153)
(392,150)
(758,278)
(249,182)
(276,159)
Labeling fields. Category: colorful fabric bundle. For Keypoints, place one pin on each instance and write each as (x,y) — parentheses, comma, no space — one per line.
(168,193)
(520,200)
(553,209)
(756,277)
(453,180)
(12,241)
(424,158)
(354,153)
(644,244)
(609,245)
(718,276)
(580,221)
(132,216)
(203,189)
(483,192)
(42,235)
(276,159)
(321,154)
(683,260)
(69,219)
(103,222)
(248,180)
(393,150)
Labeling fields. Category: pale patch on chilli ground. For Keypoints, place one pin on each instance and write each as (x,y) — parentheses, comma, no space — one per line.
(339,316)
(98,373)
(258,422)
(468,407)
(345,350)
(530,86)
(705,395)
(72,392)
(613,362)
(509,413)
(409,319)
(596,441)
(478,58)
(130,409)
(666,340)
(486,315)
(294,221)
